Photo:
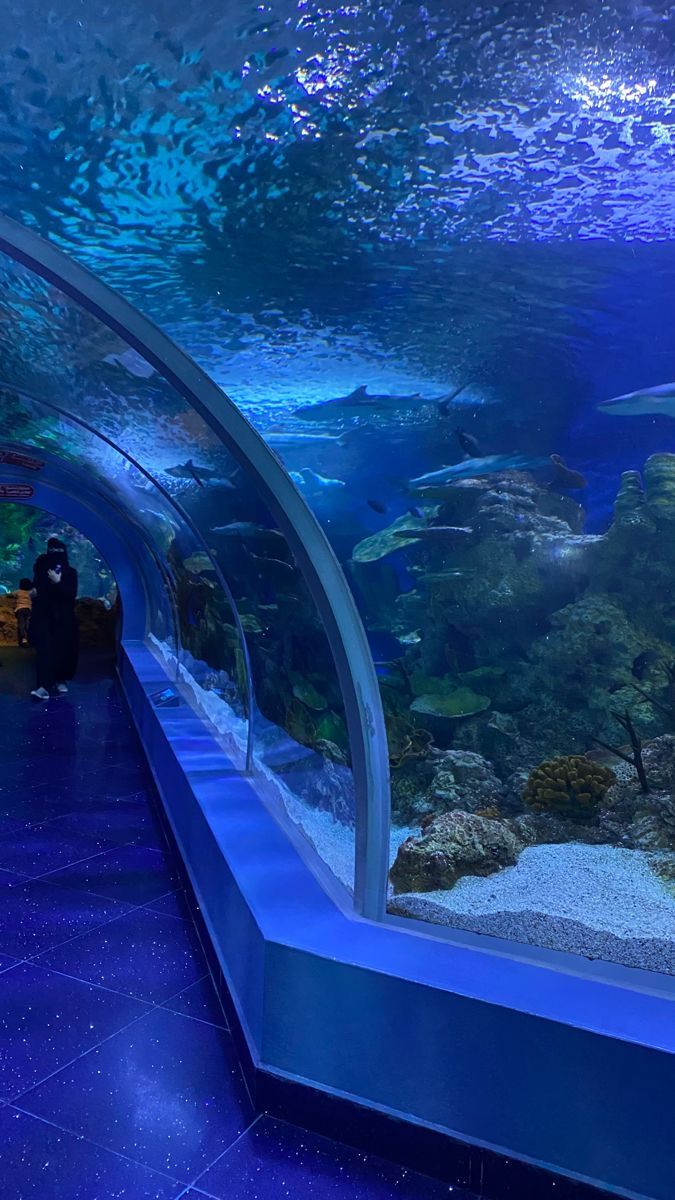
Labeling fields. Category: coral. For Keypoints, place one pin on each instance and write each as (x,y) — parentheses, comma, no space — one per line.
(635,755)
(450,846)
(572,785)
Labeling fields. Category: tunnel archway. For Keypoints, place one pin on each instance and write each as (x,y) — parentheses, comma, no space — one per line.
(105,399)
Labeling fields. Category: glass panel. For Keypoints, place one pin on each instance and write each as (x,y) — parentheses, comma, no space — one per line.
(301,759)
(472,203)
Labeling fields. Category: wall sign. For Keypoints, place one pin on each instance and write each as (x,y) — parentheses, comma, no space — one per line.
(14,458)
(15,491)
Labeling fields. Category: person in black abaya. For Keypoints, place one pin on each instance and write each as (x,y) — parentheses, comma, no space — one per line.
(53,629)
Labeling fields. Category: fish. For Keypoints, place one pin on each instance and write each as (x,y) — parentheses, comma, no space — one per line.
(440,577)
(471,467)
(281,439)
(357,404)
(309,479)
(643,662)
(416,512)
(445,405)
(436,533)
(246,529)
(468,442)
(132,362)
(565,477)
(409,639)
(272,567)
(188,470)
(660,399)
(377,506)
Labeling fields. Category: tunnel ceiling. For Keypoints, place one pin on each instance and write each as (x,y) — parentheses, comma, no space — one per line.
(217,165)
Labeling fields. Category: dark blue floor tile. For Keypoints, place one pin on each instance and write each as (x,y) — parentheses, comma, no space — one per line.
(118,821)
(46,1019)
(133,873)
(143,954)
(40,1162)
(275,1159)
(174,904)
(9,824)
(35,916)
(199,1001)
(43,848)
(166,1092)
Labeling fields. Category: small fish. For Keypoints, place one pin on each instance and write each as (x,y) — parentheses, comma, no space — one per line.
(439,577)
(470,468)
(643,661)
(273,565)
(358,403)
(468,442)
(409,639)
(377,506)
(417,512)
(565,477)
(246,529)
(436,533)
(660,399)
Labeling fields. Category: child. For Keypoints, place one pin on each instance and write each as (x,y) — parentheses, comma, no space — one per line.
(22,608)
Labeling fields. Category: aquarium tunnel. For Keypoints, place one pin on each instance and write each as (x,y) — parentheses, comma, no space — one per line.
(249,676)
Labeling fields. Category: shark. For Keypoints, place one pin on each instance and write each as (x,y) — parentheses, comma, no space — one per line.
(469,468)
(359,403)
(286,440)
(660,399)
(308,479)
(189,470)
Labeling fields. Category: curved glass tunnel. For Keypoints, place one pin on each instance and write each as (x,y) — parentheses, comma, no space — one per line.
(251,615)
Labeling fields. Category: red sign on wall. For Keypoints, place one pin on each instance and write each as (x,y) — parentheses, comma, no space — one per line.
(15,491)
(14,458)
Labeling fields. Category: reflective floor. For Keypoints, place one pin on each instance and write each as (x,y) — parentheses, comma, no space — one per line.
(118,1076)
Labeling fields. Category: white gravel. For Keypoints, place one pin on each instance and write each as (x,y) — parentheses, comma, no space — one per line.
(604,888)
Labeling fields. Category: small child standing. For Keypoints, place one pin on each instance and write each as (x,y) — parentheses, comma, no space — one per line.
(22,608)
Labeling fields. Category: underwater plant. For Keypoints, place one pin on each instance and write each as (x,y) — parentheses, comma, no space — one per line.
(571,785)
(635,756)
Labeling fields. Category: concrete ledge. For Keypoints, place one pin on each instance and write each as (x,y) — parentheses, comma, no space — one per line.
(510,1058)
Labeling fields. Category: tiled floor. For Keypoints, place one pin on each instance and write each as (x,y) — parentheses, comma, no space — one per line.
(118,1076)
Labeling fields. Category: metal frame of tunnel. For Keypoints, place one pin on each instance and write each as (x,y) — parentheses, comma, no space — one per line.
(313,553)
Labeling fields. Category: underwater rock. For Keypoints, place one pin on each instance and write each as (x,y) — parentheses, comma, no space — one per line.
(579,671)
(450,846)
(659,482)
(630,511)
(463,780)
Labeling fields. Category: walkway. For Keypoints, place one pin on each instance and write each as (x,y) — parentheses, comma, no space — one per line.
(118,1077)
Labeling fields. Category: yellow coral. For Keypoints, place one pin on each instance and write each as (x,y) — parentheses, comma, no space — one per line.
(571,785)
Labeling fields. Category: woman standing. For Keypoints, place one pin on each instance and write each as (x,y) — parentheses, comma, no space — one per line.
(53,629)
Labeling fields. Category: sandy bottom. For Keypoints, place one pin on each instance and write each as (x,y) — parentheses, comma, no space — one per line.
(597,901)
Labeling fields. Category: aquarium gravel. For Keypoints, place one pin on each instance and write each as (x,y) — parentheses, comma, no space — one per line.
(598,901)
